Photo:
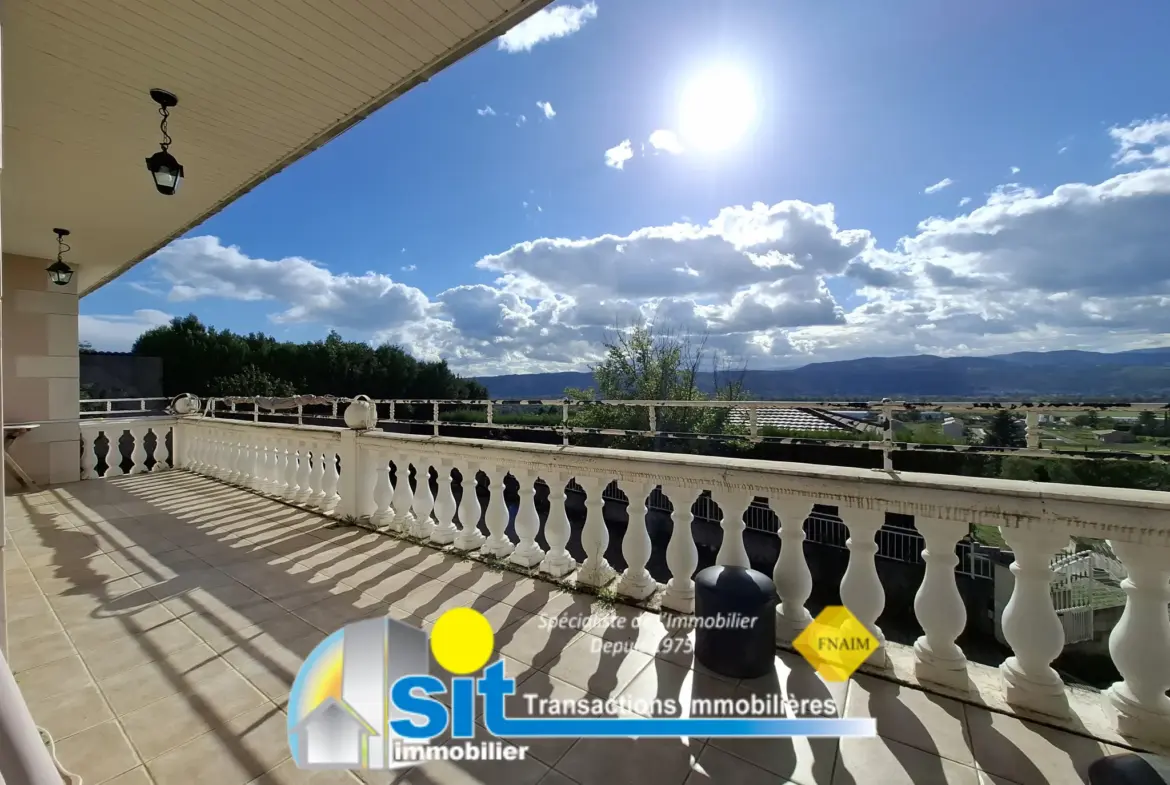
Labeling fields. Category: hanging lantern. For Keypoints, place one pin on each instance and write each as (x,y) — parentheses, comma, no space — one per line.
(166,171)
(59,272)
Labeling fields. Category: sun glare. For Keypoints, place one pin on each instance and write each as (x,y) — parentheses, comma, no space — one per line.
(717,109)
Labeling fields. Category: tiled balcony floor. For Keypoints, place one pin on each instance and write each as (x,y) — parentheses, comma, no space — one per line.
(156,624)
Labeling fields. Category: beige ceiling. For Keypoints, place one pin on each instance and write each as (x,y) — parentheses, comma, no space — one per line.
(260,84)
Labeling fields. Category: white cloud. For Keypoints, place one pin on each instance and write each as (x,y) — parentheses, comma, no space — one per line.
(547,108)
(546,25)
(946,182)
(666,140)
(410,268)
(617,155)
(487,111)
(1062,150)
(1081,266)
(521,120)
(1015,170)
(1144,142)
(118,333)
(966,200)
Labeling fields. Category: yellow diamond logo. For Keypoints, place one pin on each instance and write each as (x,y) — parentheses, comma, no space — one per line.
(835,643)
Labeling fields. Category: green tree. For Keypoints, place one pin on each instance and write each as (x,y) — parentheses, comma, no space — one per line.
(85,347)
(252,382)
(648,364)
(201,360)
(1147,424)
(1003,431)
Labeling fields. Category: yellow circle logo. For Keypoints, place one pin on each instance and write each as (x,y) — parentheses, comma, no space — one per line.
(462,641)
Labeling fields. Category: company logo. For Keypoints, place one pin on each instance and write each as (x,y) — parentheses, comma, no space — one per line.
(364,699)
(836,643)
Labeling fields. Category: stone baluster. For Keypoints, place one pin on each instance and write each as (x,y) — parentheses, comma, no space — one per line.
(372,460)
(331,497)
(1032,430)
(791,575)
(939,607)
(318,477)
(138,455)
(247,461)
(194,449)
(262,480)
(637,582)
(445,530)
(403,496)
(383,491)
(206,446)
(527,552)
(470,537)
(861,588)
(231,459)
(733,503)
(288,469)
(1031,626)
(114,453)
(682,556)
(160,449)
(89,455)
(498,543)
(422,502)
(558,562)
(596,570)
(304,474)
(218,456)
(1140,644)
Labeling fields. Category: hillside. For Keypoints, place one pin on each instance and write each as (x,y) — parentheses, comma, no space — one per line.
(1143,373)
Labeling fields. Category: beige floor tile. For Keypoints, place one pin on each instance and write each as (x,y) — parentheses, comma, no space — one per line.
(717,767)
(534,640)
(537,596)
(589,664)
(244,748)
(136,776)
(1027,753)
(130,652)
(73,712)
(94,633)
(41,651)
(863,761)
(137,687)
(527,771)
(97,754)
(287,773)
(40,685)
(29,628)
(554,777)
(545,690)
(610,761)
(929,722)
(662,685)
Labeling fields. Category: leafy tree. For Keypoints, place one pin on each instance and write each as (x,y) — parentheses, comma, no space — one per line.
(252,381)
(1003,431)
(202,360)
(648,364)
(1147,423)
(85,347)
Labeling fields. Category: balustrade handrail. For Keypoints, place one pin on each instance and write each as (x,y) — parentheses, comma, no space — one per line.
(24,758)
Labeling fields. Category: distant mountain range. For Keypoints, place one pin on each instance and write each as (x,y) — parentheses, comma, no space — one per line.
(1069,374)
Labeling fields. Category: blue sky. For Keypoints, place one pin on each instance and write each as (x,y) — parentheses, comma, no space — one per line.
(927,177)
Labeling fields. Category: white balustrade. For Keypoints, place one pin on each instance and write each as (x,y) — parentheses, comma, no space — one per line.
(317,478)
(496,516)
(682,557)
(1031,626)
(304,474)
(792,577)
(423,502)
(302,463)
(470,537)
(939,607)
(330,497)
(596,569)
(527,552)
(734,503)
(160,449)
(557,562)
(637,582)
(403,496)
(861,589)
(445,530)
(383,491)
(1140,642)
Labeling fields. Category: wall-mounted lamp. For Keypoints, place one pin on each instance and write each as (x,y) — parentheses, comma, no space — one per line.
(59,272)
(163,167)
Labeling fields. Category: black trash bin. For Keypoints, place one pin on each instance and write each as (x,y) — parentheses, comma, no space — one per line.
(1130,769)
(735,622)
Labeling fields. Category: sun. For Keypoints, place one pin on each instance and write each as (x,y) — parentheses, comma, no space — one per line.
(718,107)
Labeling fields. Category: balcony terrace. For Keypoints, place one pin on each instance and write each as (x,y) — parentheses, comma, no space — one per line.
(157,617)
